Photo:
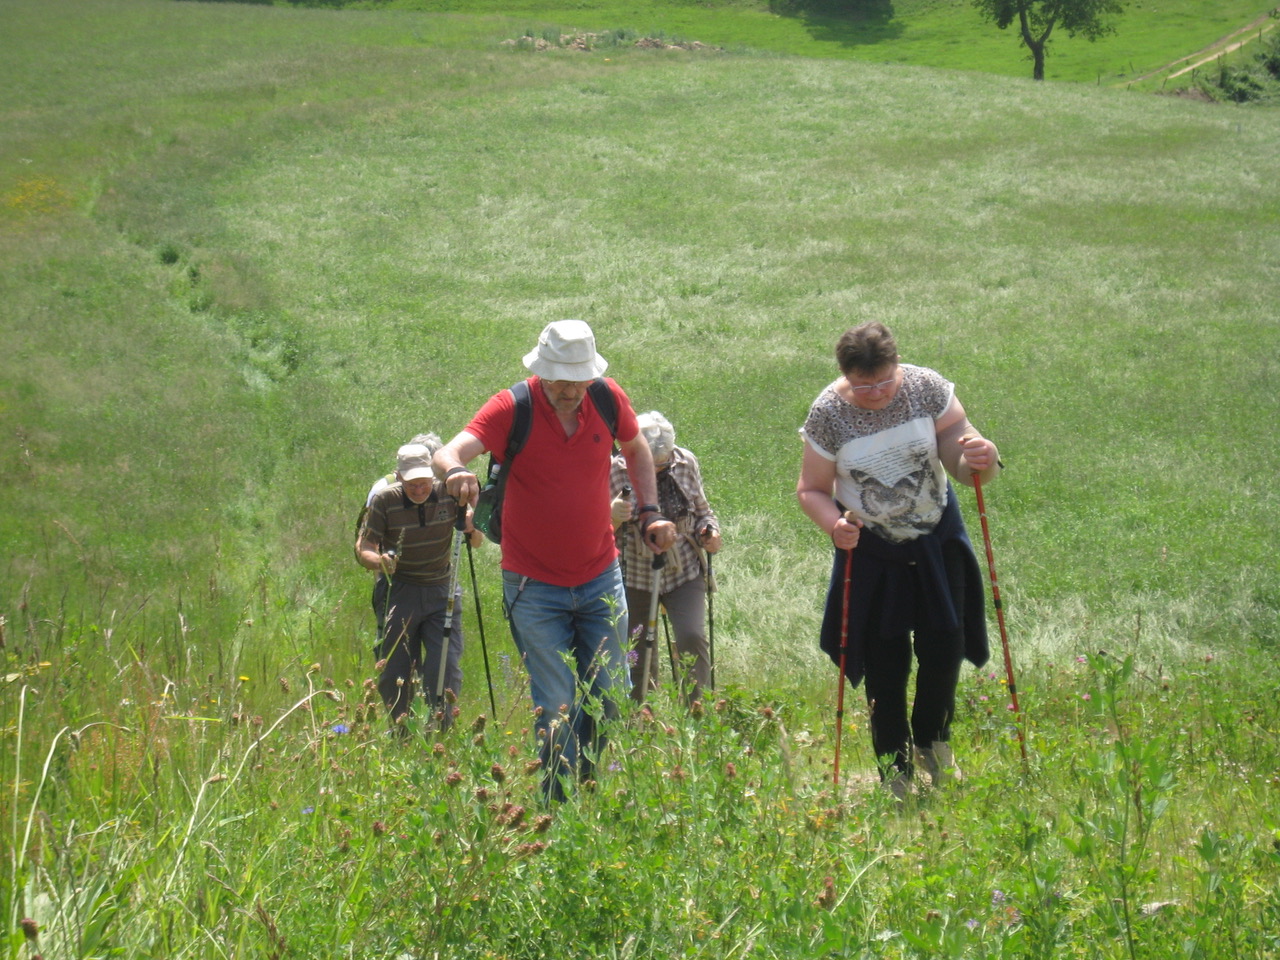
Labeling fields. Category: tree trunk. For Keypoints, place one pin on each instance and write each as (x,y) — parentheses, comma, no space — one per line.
(1035,44)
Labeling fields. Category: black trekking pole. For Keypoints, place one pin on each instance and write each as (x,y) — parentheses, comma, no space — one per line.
(671,649)
(659,560)
(995,597)
(458,535)
(484,650)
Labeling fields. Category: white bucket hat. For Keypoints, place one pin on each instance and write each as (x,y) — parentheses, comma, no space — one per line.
(413,461)
(566,350)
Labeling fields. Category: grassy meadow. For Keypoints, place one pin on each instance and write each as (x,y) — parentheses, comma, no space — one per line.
(248,250)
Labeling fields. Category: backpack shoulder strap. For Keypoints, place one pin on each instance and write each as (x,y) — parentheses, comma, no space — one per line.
(606,403)
(523,422)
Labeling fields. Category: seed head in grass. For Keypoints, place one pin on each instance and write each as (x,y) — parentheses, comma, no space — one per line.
(30,929)
(827,898)
(533,766)
(379,828)
(477,725)
(498,773)
(284,684)
(542,823)
(452,778)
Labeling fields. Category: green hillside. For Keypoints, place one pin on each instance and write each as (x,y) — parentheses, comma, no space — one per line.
(247,250)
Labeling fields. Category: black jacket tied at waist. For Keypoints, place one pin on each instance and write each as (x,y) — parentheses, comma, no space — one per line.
(932,583)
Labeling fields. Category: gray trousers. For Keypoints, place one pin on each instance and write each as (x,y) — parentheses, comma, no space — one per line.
(686,608)
(411,641)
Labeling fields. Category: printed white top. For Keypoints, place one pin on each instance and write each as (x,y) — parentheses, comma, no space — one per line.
(887,466)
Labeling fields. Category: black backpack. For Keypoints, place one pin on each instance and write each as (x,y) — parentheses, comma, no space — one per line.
(488,512)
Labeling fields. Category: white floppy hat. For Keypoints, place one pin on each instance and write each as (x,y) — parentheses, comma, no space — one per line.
(413,461)
(566,350)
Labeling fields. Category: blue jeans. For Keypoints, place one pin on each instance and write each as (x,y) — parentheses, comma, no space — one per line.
(571,641)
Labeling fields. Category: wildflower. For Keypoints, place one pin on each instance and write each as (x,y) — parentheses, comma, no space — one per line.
(379,828)
(512,815)
(827,898)
(453,778)
(530,849)
(766,712)
(308,810)
(695,708)
(543,823)
(1086,696)
(30,929)
(482,794)
(243,678)
(533,766)
(730,771)
(340,728)
(314,668)
(438,749)
(478,724)
(498,773)
(1082,659)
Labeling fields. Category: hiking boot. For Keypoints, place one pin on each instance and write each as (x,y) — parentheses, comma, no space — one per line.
(898,786)
(939,762)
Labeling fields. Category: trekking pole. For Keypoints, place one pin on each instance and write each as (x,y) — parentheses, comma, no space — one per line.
(458,535)
(484,650)
(995,596)
(844,649)
(671,649)
(659,560)
(711,613)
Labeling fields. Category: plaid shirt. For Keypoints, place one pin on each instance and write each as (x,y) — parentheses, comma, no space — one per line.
(682,501)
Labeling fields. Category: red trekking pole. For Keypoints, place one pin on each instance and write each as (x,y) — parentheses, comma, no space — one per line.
(995,597)
(844,649)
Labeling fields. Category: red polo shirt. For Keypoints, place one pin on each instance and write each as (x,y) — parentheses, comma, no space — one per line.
(555,517)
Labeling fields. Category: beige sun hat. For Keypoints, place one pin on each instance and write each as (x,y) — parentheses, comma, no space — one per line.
(413,461)
(566,350)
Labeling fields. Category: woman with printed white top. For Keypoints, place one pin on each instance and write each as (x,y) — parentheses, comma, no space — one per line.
(879,444)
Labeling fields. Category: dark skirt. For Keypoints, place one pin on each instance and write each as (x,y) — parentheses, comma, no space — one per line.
(905,587)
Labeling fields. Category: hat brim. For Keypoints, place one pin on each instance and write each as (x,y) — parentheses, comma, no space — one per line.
(576,372)
(417,473)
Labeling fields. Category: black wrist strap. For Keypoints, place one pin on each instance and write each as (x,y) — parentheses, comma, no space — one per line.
(452,470)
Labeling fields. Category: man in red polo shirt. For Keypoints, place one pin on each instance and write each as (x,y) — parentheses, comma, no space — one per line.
(562,588)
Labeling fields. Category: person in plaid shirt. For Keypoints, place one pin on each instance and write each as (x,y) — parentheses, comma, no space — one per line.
(682,588)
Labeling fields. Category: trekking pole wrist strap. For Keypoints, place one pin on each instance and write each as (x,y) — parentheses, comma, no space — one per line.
(453,471)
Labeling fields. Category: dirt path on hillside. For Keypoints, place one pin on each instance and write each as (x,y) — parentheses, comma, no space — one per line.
(1222,45)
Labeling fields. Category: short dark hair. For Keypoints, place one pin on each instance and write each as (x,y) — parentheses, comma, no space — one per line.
(866,348)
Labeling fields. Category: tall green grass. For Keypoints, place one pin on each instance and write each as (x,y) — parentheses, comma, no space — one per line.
(247,251)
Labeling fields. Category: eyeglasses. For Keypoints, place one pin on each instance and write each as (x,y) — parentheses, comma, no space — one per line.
(864,388)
